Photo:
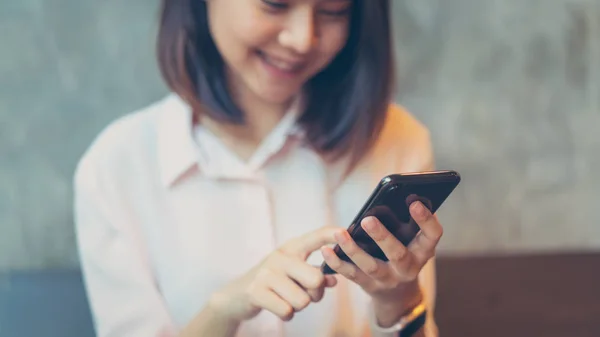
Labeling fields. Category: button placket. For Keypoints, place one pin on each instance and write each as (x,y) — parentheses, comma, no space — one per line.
(273,325)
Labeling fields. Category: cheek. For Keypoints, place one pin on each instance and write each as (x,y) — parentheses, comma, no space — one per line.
(254,34)
(255,29)
(237,31)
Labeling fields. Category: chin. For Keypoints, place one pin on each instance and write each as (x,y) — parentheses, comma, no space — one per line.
(278,95)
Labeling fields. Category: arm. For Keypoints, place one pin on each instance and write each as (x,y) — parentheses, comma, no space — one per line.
(427,276)
(123,296)
(388,316)
(419,157)
(210,323)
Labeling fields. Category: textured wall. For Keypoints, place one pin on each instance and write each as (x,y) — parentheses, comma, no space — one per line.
(67,68)
(510,89)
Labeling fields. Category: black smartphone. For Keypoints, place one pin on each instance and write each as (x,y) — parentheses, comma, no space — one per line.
(390,202)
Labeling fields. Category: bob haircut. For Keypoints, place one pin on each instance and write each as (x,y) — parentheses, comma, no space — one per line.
(346,103)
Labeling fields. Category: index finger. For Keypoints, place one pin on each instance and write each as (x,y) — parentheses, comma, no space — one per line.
(424,244)
(310,242)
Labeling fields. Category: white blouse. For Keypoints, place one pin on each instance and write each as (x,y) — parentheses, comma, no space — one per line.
(166,214)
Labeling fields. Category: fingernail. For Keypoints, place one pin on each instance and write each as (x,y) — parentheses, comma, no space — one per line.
(419,208)
(368,223)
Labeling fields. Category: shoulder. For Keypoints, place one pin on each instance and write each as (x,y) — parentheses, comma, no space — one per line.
(404,143)
(125,141)
(402,124)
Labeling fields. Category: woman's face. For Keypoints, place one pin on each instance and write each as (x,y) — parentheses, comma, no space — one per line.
(272,47)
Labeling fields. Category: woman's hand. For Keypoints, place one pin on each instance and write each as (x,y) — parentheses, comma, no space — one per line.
(283,283)
(391,284)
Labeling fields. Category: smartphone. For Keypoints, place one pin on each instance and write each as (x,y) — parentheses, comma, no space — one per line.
(390,202)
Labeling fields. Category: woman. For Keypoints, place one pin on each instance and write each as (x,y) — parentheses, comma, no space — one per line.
(208,212)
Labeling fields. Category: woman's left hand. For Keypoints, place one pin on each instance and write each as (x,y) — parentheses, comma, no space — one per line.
(393,283)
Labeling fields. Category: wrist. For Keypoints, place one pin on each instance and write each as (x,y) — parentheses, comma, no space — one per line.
(213,320)
(222,309)
(389,309)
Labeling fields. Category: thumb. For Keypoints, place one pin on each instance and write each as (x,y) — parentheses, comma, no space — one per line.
(312,241)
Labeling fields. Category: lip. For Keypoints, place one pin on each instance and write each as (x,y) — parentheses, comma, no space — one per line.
(281,66)
(295,62)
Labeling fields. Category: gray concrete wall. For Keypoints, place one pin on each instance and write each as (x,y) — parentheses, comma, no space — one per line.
(510,90)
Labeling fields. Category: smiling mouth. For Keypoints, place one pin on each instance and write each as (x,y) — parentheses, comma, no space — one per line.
(287,66)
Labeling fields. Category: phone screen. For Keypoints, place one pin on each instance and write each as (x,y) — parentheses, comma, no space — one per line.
(391,207)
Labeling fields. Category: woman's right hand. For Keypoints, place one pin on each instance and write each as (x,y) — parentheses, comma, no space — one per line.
(283,283)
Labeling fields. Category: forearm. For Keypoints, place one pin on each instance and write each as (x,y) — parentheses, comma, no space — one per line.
(389,311)
(210,323)
(422,332)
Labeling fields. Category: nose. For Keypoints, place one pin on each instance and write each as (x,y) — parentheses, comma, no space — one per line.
(299,33)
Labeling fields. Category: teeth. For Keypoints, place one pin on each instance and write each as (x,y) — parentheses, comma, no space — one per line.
(285,66)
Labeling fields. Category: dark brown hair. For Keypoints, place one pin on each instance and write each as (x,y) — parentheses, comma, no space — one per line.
(346,102)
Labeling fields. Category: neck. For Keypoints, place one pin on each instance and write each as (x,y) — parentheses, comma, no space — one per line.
(260,118)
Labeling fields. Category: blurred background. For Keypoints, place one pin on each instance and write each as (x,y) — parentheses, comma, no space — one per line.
(510,90)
